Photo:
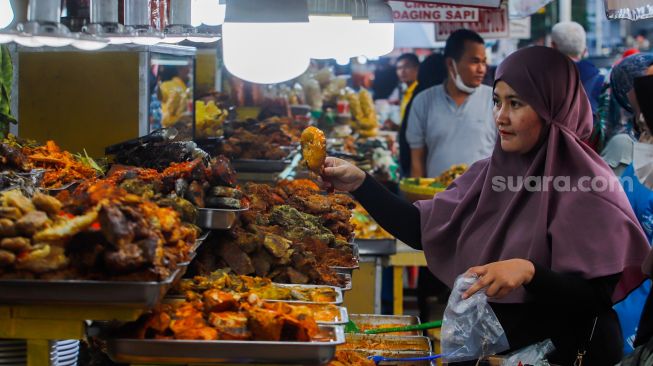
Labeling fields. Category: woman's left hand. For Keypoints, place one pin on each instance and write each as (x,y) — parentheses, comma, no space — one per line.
(501,278)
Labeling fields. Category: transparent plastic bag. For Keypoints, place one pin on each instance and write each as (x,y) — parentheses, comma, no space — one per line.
(470,329)
(534,354)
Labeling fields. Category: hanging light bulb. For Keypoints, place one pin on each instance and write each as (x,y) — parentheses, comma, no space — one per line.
(343,61)
(209,12)
(6,13)
(263,40)
(380,35)
(332,29)
(361,60)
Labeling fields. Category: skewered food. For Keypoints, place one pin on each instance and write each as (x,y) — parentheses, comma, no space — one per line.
(314,149)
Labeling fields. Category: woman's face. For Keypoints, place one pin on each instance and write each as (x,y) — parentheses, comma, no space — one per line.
(518,124)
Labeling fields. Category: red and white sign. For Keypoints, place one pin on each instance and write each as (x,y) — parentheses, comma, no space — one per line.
(492,24)
(420,12)
(473,3)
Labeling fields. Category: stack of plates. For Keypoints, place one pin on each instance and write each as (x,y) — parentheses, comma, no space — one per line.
(64,353)
(13,352)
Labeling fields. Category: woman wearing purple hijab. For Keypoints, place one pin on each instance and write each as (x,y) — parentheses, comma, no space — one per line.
(552,253)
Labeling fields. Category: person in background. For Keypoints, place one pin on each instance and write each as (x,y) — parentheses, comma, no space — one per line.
(452,123)
(570,39)
(432,71)
(618,153)
(407,69)
(637,180)
(385,79)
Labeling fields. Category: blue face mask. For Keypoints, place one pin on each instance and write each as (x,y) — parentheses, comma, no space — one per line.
(460,85)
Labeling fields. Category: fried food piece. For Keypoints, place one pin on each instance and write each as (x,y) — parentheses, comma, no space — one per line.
(32,222)
(16,245)
(11,213)
(15,198)
(115,226)
(216,301)
(127,259)
(43,258)
(46,203)
(7,228)
(314,148)
(188,323)
(6,258)
(266,325)
(67,228)
(231,325)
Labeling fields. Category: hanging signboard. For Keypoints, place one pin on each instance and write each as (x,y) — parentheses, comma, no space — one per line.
(628,9)
(520,28)
(492,24)
(419,12)
(472,3)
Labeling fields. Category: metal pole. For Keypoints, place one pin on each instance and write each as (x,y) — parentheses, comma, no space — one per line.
(565,11)
(598,29)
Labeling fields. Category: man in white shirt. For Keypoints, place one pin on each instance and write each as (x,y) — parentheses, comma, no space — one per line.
(452,123)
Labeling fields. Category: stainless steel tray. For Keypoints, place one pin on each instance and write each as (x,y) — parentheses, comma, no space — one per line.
(390,343)
(217,218)
(84,292)
(376,247)
(343,316)
(349,270)
(347,277)
(184,352)
(395,354)
(369,321)
(191,256)
(338,290)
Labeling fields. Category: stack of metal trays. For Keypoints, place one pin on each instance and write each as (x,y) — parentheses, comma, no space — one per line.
(349,270)
(139,351)
(376,247)
(373,321)
(64,353)
(265,166)
(217,218)
(388,346)
(13,352)
(132,294)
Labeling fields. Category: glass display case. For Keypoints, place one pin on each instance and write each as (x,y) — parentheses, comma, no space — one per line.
(91,100)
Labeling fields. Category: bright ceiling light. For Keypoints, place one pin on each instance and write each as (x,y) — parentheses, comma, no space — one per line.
(343,61)
(6,13)
(263,40)
(361,60)
(180,27)
(209,12)
(380,35)
(333,29)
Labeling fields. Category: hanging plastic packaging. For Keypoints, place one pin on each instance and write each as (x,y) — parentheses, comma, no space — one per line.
(534,354)
(470,329)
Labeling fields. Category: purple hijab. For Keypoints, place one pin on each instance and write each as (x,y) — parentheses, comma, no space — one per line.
(591,234)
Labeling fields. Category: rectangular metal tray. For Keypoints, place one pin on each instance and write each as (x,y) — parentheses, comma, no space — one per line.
(349,270)
(265,166)
(84,292)
(183,352)
(390,343)
(191,256)
(348,284)
(376,247)
(394,354)
(343,317)
(376,321)
(338,290)
(217,218)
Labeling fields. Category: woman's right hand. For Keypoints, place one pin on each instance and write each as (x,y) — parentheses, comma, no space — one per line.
(342,175)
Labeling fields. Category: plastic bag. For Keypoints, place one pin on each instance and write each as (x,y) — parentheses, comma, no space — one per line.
(532,355)
(470,329)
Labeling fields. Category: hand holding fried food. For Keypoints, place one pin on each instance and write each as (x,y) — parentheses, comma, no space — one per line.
(314,149)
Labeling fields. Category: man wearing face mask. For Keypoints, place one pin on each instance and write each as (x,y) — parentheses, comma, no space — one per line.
(452,123)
